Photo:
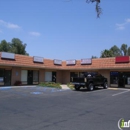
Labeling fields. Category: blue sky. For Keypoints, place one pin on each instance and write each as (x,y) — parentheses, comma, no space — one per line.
(65,29)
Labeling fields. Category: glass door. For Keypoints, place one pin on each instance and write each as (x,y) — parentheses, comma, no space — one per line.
(7,77)
(121,80)
(30,77)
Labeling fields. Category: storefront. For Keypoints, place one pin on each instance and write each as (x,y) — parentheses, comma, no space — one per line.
(33,70)
(119,79)
(29,77)
(50,76)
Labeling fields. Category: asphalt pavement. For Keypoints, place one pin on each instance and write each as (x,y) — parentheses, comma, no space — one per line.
(37,108)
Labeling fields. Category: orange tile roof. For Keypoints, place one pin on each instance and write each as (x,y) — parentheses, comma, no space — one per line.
(99,63)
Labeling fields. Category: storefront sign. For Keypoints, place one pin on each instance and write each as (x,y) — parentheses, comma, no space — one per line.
(70,62)
(87,61)
(122,59)
(38,59)
(57,62)
(7,55)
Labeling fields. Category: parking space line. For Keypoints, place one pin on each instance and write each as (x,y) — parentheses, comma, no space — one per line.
(118,88)
(121,93)
(113,88)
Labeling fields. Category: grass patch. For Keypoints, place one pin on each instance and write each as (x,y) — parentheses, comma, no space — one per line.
(71,86)
(50,84)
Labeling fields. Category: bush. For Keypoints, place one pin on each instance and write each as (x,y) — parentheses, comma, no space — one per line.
(18,83)
(50,84)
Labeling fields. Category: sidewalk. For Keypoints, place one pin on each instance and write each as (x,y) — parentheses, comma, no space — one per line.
(64,86)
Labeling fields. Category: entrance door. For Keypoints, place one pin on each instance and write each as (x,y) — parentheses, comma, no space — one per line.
(54,77)
(121,80)
(7,77)
(30,77)
(48,76)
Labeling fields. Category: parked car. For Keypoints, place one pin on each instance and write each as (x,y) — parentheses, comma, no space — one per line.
(89,81)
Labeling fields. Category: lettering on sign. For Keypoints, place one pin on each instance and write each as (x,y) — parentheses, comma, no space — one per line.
(70,62)
(87,61)
(7,55)
(38,59)
(57,62)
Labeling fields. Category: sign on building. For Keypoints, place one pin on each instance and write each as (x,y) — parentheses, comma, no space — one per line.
(7,55)
(57,62)
(38,59)
(70,62)
(122,59)
(87,61)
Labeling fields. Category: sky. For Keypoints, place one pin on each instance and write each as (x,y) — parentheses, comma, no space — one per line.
(65,29)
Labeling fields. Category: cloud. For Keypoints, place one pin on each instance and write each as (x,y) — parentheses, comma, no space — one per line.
(9,25)
(120,26)
(123,25)
(127,20)
(34,33)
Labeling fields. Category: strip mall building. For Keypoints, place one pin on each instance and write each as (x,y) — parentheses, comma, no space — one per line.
(33,70)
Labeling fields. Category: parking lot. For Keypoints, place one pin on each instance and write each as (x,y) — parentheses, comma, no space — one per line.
(38,108)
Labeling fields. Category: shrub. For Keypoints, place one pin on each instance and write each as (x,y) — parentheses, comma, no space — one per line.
(50,84)
(18,83)
(70,85)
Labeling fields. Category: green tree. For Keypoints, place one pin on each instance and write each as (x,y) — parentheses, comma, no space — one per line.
(106,53)
(128,51)
(4,46)
(94,57)
(18,47)
(115,51)
(15,46)
(124,49)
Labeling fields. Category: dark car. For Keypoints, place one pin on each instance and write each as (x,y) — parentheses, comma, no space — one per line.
(89,81)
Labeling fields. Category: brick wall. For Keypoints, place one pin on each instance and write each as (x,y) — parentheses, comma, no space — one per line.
(106,73)
(66,77)
(16,75)
(41,75)
(59,75)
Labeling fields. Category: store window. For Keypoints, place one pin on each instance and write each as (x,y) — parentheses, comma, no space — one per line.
(114,77)
(24,76)
(35,76)
(73,75)
(126,76)
(50,76)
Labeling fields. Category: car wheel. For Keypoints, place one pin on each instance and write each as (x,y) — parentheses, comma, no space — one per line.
(91,87)
(77,87)
(105,86)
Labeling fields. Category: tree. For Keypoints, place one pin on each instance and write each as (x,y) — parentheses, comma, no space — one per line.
(98,8)
(4,46)
(115,51)
(15,46)
(94,57)
(128,51)
(106,53)
(124,49)
(18,47)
